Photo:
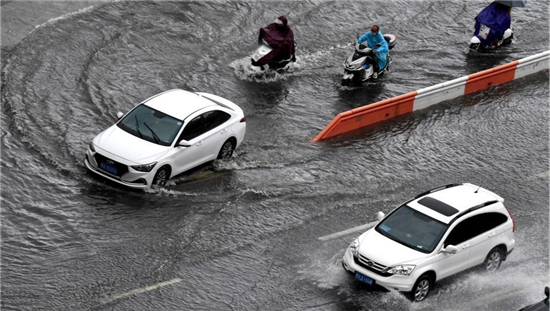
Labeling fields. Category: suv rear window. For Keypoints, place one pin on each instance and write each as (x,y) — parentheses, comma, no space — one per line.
(438,206)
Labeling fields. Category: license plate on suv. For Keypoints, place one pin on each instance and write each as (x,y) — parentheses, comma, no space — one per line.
(363,278)
(108,168)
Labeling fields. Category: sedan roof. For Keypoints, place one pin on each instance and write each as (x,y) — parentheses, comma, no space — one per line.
(178,103)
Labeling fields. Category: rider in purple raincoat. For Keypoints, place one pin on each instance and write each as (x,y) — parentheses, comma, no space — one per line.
(280,38)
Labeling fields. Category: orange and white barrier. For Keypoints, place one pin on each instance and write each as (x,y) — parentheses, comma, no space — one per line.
(426,97)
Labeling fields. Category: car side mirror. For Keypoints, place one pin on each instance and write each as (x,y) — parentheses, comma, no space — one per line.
(546,291)
(184,143)
(450,249)
(119,115)
(380,216)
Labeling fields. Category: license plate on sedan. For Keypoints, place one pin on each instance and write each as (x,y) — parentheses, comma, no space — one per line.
(363,278)
(108,168)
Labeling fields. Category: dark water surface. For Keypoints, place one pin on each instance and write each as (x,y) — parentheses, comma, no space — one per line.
(242,234)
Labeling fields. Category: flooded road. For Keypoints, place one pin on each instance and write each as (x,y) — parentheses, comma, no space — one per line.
(243,234)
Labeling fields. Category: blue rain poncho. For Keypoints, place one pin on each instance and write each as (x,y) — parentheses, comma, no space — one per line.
(495,16)
(372,41)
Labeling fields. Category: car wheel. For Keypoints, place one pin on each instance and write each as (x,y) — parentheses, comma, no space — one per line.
(161,177)
(421,288)
(493,260)
(227,150)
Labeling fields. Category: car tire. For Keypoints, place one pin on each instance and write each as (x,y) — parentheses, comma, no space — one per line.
(161,177)
(421,288)
(227,149)
(493,260)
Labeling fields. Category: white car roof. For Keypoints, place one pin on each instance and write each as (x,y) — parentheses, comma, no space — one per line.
(460,197)
(178,103)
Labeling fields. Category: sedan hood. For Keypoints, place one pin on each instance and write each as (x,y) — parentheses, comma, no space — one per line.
(129,147)
(387,252)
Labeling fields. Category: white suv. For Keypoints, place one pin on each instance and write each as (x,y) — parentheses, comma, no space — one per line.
(435,235)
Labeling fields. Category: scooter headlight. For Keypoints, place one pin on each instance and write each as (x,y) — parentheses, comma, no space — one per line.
(144,167)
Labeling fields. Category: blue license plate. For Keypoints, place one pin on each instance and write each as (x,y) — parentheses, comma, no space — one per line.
(363,278)
(106,167)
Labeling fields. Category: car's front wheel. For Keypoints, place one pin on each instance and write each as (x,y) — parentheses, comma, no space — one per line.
(227,149)
(161,177)
(493,260)
(422,288)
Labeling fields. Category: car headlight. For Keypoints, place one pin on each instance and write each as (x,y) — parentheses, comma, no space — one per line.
(354,247)
(402,269)
(92,146)
(144,167)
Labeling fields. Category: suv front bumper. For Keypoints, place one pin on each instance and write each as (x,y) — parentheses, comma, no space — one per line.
(393,282)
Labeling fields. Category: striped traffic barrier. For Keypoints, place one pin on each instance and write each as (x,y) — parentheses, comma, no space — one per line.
(426,97)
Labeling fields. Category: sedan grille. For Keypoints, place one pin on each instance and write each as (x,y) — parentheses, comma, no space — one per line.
(110,166)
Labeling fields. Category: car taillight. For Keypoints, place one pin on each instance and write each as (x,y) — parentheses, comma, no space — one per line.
(243,119)
(513,222)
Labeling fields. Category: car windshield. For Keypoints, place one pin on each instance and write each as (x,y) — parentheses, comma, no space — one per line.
(151,125)
(413,229)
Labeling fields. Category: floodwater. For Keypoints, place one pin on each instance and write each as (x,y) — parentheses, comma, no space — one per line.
(243,234)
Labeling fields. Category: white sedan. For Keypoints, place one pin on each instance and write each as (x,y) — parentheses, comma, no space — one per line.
(164,136)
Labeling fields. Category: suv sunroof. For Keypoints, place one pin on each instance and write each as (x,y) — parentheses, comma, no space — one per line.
(438,206)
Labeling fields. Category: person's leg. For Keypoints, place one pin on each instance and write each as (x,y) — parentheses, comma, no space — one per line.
(375,63)
(376,66)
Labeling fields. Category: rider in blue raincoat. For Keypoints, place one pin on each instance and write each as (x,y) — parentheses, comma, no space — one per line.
(375,41)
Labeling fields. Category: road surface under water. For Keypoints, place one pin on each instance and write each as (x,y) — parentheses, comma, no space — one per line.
(243,234)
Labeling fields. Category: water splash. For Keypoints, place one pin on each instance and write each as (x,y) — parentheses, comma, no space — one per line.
(305,63)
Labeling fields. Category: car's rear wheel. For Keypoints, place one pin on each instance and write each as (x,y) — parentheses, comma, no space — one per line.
(493,260)
(227,149)
(161,177)
(421,288)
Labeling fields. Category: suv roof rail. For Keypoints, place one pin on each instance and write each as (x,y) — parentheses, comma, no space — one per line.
(436,189)
(471,209)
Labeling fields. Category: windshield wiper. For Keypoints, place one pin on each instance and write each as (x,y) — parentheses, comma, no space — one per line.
(137,127)
(157,139)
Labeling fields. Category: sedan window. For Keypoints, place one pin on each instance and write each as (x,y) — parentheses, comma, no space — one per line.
(213,119)
(193,129)
(151,125)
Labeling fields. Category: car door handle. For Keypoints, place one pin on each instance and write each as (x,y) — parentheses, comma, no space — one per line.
(223,131)
(492,234)
(199,143)
(465,246)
